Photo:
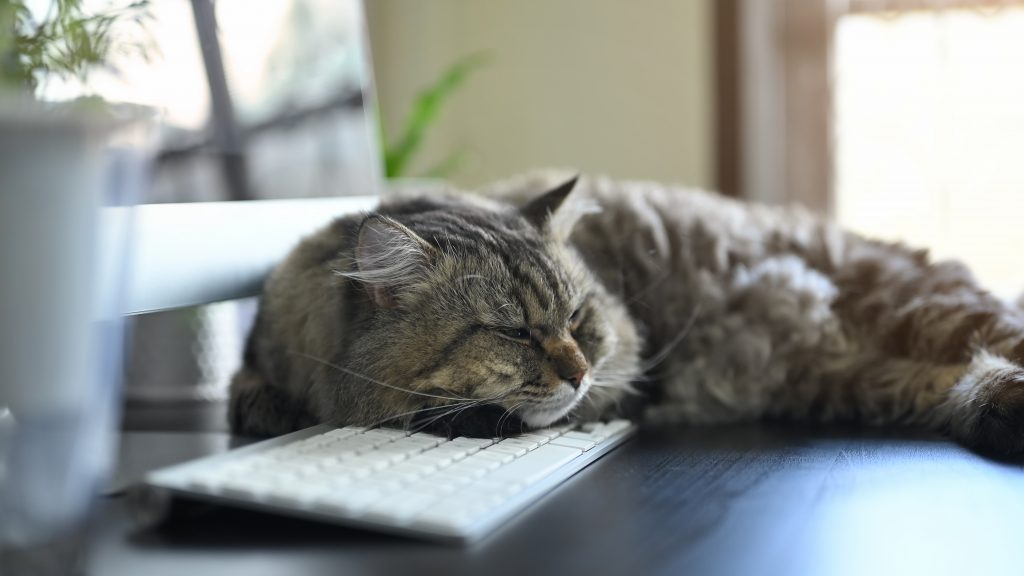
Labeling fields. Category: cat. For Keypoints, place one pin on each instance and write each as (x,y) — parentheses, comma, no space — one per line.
(538,300)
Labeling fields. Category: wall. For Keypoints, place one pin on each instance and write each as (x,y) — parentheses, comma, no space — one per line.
(609,86)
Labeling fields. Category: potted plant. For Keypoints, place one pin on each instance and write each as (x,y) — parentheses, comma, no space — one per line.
(60,337)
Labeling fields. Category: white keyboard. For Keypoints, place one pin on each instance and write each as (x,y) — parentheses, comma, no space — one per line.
(388,480)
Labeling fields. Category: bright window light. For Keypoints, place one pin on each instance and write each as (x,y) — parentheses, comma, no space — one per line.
(929,111)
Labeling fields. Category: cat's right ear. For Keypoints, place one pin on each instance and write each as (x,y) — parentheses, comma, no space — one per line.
(542,209)
(555,215)
(390,258)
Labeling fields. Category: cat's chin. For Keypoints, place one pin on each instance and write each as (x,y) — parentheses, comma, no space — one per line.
(542,418)
(547,414)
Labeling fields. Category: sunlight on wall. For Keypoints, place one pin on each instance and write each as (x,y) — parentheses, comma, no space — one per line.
(929,111)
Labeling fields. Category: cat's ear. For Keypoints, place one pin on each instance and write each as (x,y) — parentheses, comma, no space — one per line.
(554,214)
(542,209)
(389,257)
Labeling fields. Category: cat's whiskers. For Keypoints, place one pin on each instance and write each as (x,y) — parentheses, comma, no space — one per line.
(453,411)
(461,410)
(450,411)
(508,413)
(607,387)
(622,380)
(459,407)
(374,380)
(427,409)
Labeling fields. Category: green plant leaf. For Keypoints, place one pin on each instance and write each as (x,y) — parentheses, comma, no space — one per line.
(424,113)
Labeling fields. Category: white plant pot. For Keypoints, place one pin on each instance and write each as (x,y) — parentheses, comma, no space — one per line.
(61,263)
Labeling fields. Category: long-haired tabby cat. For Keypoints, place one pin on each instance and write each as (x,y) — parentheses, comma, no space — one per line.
(537,301)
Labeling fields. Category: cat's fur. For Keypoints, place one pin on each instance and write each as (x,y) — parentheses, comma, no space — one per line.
(716,310)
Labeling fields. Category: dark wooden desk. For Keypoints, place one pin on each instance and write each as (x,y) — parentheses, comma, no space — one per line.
(732,500)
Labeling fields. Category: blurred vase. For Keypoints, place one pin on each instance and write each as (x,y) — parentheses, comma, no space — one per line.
(67,182)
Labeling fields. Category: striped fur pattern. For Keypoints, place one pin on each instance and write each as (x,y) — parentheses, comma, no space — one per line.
(715,310)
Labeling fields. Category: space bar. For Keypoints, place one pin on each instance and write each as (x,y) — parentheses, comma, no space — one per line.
(535,465)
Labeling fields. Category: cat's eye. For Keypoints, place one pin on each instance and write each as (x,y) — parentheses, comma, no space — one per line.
(576,318)
(517,334)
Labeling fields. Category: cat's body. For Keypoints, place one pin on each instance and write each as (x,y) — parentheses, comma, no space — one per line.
(717,310)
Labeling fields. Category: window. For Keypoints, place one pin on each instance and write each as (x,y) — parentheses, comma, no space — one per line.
(253,104)
(929,128)
(901,118)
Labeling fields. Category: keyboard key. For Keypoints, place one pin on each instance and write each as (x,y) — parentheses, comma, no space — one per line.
(382,436)
(339,433)
(477,442)
(410,471)
(506,449)
(578,435)
(455,452)
(483,463)
(426,462)
(438,460)
(322,483)
(449,478)
(595,437)
(404,445)
(435,440)
(535,465)
(466,470)
(460,504)
(535,437)
(349,501)
(398,507)
(387,484)
(573,443)
(391,455)
(504,489)
(519,443)
(490,454)
(419,443)
(366,462)
(348,470)
(433,489)
(467,448)
(545,433)
(298,468)
(295,495)
(473,500)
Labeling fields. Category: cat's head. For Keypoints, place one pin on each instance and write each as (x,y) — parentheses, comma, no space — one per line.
(486,315)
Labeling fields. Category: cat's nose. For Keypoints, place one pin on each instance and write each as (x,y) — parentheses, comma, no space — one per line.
(576,379)
(567,360)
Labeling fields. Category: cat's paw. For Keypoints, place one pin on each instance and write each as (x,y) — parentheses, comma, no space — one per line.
(486,421)
(258,409)
(1000,427)
(992,422)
